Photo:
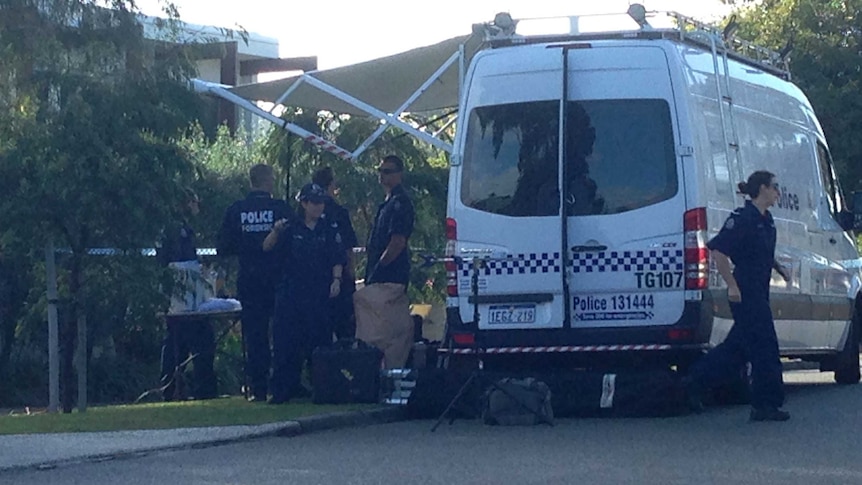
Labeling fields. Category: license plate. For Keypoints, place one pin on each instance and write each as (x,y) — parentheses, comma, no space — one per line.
(512,314)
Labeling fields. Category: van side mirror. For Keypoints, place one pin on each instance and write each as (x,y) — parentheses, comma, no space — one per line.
(855,217)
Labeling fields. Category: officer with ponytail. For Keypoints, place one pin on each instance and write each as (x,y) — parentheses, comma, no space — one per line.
(747,239)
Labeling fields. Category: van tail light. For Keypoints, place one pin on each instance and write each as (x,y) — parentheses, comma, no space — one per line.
(680,334)
(696,252)
(451,265)
(464,338)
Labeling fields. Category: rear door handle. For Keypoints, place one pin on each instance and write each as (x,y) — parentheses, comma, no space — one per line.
(588,249)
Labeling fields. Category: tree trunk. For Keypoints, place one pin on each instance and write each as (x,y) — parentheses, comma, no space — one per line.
(83,361)
(7,313)
(69,331)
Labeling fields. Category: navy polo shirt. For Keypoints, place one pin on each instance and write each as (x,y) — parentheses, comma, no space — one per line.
(339,219)
(177,244)
(244,227)
(748,239)
(309,256)
(394,216)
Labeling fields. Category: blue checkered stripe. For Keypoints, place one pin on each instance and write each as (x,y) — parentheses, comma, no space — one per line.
(532,263)
(612,261)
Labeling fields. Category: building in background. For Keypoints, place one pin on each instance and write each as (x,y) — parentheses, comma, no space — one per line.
(232,58)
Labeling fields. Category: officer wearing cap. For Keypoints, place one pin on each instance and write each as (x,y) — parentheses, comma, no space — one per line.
(339,219)
(748,240)
(382,307)
(313,263)
(246,224)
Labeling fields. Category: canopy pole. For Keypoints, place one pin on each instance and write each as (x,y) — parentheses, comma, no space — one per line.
(426,137)
(221,91)
(424,87)
(287,92)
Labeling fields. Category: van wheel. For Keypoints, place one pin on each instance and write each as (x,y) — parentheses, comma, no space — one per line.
(847,361)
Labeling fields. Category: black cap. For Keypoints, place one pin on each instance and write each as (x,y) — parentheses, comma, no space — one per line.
(311,193)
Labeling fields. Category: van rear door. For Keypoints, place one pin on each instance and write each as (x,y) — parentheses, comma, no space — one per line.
(623,202)
(504,196)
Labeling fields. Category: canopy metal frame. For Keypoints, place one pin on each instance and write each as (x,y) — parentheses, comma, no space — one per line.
(386,120)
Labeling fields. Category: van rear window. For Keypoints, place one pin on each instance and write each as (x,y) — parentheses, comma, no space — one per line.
(620,156)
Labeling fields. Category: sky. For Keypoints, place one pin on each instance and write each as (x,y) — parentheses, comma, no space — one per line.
(342,32)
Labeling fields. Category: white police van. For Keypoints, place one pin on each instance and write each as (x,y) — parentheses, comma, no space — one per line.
(590,170)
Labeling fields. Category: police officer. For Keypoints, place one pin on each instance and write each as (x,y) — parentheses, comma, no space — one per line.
(338,218)
(314,261)
(178,242)
(246,224)
(748,240)
(195,335)
(382,308)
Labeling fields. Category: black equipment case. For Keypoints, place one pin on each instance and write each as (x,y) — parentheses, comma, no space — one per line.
(346,372)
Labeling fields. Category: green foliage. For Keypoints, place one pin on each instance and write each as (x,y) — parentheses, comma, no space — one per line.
(826,63)
(221,166)
(90,112)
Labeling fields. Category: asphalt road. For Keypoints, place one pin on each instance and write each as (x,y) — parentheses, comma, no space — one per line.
(820,445)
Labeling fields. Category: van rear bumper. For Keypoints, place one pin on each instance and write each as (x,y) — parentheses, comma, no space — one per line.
(562,349)
(691,332)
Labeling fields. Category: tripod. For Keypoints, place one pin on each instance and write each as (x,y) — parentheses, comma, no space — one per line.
(478,375)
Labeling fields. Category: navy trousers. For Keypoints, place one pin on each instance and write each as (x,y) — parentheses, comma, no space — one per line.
(257,311)
(752,339)
(302,323)
(343,320)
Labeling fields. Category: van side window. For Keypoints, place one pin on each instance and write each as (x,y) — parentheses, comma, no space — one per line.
(620,155)
(511,161)
(830,181)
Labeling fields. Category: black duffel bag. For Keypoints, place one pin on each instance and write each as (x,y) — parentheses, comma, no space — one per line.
(348,371)
(513,402)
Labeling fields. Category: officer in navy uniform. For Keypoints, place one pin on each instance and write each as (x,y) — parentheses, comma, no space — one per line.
(194,335)
(382,307)
(338,218)
(178,243)
(246,224)
(388,254)
(314,261)
(748,240)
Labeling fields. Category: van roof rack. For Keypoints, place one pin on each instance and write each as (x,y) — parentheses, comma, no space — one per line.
(770,60)
(502,31)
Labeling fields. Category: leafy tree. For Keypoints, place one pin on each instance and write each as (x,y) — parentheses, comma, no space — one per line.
(826,37)
(91,112)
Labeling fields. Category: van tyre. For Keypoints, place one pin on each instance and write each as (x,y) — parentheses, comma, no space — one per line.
(847,361)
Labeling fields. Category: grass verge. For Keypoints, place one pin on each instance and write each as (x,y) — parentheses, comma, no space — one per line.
(227,411)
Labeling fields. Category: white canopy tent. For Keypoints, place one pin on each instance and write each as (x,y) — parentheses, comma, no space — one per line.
(419,80)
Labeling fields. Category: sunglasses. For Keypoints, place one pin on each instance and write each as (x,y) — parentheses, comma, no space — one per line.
(387,171)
